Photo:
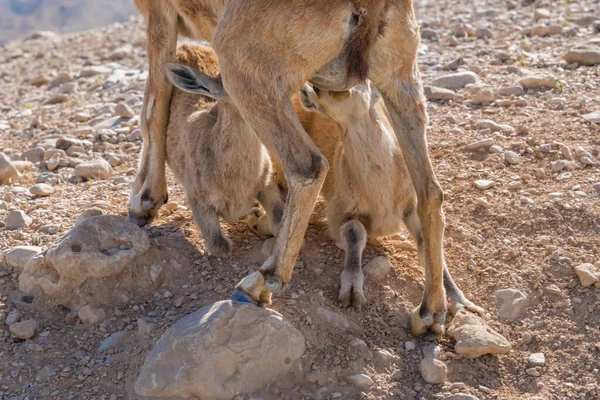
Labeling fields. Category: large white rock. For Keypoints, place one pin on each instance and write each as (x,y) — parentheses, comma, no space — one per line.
(220,351)
(96,249)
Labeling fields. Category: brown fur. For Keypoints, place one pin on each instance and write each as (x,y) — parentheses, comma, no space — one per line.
(267,50)
(368,192)
(215,156)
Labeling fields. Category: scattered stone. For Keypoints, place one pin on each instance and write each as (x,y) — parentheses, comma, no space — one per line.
(94,169)
(17,219)
(12,317)
(124,111)
(511,91)
(596,187)
(360,380)
(559,165)
(41,190)
(53,162)
(537,359)
(90,212)
(480,144)
(8,172)
(542,13)
(512,158)
(333,318)
(484,184)
(484,96)
(515,185)
(434,93)
(378,268)
(410,346)
(57,99)
(474,337)
(34,155)
(91,315)
(145,328)
(540,30)
(455,81)
(251,346)
(121,52)
(25,329)
(593,117)
(427,33)
(538,82)
(433,371)
(511,303)
(18,257)
(114,341)
(588,274)
(583,55)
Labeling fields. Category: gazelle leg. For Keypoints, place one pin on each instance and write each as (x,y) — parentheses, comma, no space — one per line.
(354,236)
(458,300)
(149,191)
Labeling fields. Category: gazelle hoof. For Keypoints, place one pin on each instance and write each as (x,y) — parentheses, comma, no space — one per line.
(242,297)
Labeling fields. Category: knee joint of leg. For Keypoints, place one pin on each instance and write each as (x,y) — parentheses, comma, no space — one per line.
(354,232)
(435,193)
(315,169)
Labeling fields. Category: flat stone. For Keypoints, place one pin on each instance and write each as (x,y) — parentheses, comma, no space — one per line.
(25,329)
(537,359)
(461,396)
(538,82)
(511,91)
(434,93)
(91,315)
(41,190)
(511,303)
(114,341)
(455,81)
(583,55)
(12,317)
(17,219)
(474,337)
(480,144)
(94,169)
(378,268)
(360,380)
(18,257)
(484,184)
(34,155)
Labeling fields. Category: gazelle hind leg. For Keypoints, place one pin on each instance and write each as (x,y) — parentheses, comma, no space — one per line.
(458,300)
(354,237)
(207,219)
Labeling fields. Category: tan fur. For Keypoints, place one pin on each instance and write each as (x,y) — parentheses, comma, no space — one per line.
(214,154)
(267,50)
(368,191)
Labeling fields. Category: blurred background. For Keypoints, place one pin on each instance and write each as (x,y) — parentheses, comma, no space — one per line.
(18,18)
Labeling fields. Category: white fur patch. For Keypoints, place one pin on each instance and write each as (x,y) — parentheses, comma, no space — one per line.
(149,108)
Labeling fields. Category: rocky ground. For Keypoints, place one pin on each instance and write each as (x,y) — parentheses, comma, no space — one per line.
(514,138)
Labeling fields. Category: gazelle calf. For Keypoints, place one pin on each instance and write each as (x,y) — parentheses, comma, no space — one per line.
(368,191)
(213,153)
